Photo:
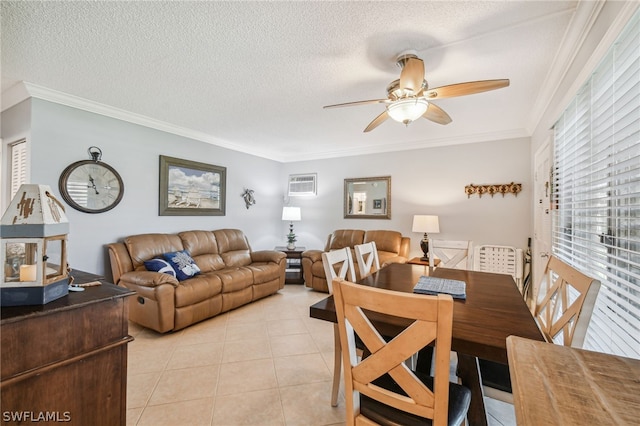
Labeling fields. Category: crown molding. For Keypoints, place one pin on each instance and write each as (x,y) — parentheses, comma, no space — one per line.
(431,143)
(24,90)
(583,21)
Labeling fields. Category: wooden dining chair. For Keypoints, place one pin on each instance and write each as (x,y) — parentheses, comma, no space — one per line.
(499,259)
(452,254)
(380,388)
(367,258)
(337,264)
(563,311)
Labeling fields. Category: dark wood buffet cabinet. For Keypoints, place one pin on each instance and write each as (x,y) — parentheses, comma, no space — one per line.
(66,361)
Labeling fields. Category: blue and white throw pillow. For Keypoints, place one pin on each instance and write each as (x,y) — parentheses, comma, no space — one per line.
(183,264)
(160,265)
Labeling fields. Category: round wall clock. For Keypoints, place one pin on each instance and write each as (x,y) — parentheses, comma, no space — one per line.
(91,186)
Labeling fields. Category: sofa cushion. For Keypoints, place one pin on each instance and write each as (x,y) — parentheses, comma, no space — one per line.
(233,247)
(183,264)
(197,289)
(203,247)
(264,272)
(160,265)
(386,241)
(147,246)
(345,238)
(235,279)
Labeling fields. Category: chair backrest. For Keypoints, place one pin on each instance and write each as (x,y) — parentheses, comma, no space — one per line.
(367,258)
(565,310)
(499,259)
(452,254)
(338,264)
(432,318)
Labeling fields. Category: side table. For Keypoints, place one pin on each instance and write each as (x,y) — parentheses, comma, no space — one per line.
(294,264)
(419,261)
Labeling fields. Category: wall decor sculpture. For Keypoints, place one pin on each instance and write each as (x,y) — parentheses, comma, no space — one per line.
(249,198)
(505,188)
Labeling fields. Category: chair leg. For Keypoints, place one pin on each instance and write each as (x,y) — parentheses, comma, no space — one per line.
(337,365)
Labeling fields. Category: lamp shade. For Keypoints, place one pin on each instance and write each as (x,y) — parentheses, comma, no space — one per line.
(291,213)
(426,223)
(407,110)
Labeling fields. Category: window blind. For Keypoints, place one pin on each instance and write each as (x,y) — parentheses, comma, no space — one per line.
(18,152)
(596,193)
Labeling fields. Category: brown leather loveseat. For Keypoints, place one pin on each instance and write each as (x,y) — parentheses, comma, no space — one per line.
(392,248)
(231,275)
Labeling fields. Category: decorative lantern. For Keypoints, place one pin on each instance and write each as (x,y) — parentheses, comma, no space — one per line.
(33,248)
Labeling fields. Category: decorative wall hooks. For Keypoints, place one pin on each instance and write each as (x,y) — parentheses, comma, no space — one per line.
(505,188)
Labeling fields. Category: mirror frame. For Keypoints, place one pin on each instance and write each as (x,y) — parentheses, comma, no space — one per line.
(386,201)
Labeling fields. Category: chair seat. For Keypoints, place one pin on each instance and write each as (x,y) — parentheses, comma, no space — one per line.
(495,375)
(459,399)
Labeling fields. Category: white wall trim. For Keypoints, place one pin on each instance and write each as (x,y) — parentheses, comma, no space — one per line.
(24,90)
(612,33)
(582,21)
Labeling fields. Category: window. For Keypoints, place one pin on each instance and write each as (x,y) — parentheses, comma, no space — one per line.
(596,223)
(18,166)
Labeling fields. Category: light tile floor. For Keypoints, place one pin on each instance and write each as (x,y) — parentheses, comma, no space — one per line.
(267,363)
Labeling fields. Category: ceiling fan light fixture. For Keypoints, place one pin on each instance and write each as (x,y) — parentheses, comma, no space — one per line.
(407,110)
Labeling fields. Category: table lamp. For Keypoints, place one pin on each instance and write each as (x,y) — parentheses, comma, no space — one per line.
(426,224)
(291,214)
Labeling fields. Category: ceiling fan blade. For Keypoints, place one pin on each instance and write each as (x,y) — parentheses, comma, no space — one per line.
(436,114)
(462,89)
(412,75)
(372,101)
(377,121)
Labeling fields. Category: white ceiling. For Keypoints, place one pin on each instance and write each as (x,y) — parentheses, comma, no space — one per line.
(253,76)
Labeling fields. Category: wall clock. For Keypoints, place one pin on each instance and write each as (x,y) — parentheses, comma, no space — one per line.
(91,186)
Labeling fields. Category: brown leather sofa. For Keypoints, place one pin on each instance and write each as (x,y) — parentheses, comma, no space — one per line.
(231,275)
(392,248)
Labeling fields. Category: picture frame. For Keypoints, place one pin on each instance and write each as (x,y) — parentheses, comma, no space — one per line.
(367,198)
(191,188)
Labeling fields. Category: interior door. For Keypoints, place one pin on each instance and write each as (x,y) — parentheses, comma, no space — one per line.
(542,217)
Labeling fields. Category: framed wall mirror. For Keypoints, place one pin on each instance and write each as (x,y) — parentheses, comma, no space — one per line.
(367,198)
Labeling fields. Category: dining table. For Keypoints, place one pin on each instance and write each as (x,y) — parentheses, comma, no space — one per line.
(492,310)
(565,386)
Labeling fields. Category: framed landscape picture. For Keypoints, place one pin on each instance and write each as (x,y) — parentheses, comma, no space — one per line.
(190,188)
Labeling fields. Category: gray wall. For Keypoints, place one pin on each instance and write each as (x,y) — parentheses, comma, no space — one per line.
(426,181)
(61,135)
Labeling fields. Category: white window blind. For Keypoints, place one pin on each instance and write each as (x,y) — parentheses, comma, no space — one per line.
(596,223)
(18,152)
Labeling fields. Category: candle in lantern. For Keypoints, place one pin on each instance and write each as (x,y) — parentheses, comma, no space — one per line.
(28,272)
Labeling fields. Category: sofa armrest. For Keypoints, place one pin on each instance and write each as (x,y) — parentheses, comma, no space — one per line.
(148,278)
(313,255)
(267,256)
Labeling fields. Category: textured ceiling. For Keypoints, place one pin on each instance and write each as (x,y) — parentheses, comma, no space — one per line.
(254,76)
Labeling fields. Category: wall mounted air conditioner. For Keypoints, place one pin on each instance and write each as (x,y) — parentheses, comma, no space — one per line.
(300,185)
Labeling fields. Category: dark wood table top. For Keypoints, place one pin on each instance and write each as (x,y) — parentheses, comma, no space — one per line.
(493,310)
(94,294)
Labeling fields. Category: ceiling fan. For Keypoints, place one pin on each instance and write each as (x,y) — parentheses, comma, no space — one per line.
(409,97)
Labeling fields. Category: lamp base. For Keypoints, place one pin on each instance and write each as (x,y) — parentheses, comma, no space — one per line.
(424,245)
